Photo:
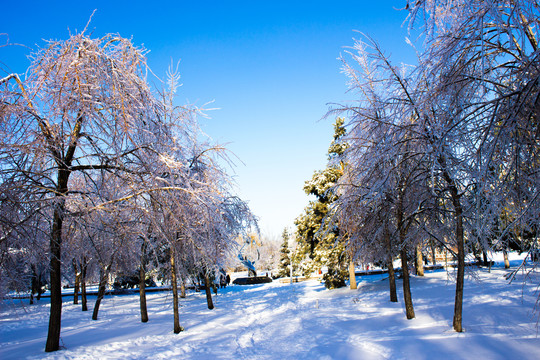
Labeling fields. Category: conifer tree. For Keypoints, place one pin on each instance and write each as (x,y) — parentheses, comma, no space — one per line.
(284,258)
(319,240)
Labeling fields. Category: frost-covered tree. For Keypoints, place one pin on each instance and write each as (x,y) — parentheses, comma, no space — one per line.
(481,68)
(465,116)
(379,192)
(85,136)
(74,113)
(23,242)
(196,218)
(418,147)
(269,251)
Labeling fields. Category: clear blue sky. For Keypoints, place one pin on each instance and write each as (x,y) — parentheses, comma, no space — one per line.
(269,66)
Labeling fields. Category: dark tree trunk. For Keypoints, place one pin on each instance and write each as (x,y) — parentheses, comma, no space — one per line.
(33,283)
(407,297)
(63,161)
(485,258)
(77,281)
(392,280)
(390,264)
(101,291)
(39,289)
(84,302)
(55,243)
(142,293)
(460,242)
(208,292)
(458,305)
(419,261)
(177,327)
(142,284)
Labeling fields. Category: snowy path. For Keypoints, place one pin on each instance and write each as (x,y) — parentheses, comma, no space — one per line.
(299,321)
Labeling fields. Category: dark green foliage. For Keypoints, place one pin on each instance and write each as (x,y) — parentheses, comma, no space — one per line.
(284,257)
(333,279)
(131,280)
(319,241)
(252,280)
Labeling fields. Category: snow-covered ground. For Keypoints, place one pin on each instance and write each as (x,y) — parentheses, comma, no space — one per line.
(298,321)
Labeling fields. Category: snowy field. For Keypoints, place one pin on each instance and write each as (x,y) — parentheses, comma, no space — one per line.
(299,321)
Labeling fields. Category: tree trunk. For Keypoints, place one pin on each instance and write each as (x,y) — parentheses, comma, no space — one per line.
(458,305)
(39,290)
(31,295)
(352,276)
(183,289)
(55,243)
(407,297)
(33,283)
(485,258)
(433,256)
(460,242)
(177,327)
(392,279)
(84,266)
(101,292)
(390,265)
(208,292)
(77,281)
(506,261)
(142,293)
(419,261)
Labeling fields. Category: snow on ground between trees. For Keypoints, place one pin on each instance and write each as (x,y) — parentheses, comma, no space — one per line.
(298,321)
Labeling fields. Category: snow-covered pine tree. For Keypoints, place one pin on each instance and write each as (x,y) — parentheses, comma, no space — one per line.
(284,256)
(319,241)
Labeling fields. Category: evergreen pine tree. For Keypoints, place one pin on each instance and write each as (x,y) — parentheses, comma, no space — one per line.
(320,243)
(284,258)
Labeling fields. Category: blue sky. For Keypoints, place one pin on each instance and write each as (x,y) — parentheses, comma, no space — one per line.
(270,67)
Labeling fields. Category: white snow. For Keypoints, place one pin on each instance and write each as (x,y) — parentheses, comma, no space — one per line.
(298,321)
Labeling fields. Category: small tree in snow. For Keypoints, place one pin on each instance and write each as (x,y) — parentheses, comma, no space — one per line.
(284,256)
